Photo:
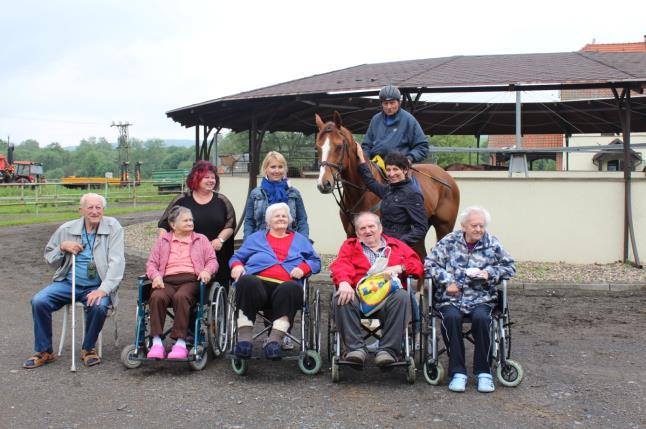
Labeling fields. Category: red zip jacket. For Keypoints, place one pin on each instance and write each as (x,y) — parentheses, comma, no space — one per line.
(351,264)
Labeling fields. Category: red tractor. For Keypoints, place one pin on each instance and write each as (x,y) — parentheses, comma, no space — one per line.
(19,171)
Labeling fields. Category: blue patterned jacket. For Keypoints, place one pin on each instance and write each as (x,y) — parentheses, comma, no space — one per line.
(449,261)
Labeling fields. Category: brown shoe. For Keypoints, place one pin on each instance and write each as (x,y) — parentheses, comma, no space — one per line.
(90,357)
(38,359)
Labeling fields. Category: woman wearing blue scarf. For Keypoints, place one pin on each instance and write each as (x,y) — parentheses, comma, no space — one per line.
(274,188)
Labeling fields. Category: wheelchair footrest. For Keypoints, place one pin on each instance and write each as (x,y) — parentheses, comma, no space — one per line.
(145,359)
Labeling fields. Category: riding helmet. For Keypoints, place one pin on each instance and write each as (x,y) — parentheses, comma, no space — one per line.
(389,92)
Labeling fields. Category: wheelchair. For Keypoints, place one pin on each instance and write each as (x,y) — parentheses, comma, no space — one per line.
(335,345)
(206,332)
(508,372)
(308,345)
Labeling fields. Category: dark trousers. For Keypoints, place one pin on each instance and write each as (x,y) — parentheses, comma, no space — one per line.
(394,317)
(481,321)
(254,294)
(180,291)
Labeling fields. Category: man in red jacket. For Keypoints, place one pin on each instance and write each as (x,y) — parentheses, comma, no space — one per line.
(355,258)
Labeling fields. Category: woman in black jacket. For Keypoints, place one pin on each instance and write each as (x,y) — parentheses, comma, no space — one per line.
(403,215)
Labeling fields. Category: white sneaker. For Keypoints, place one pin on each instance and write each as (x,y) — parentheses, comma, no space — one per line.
(458,383)
(485,383)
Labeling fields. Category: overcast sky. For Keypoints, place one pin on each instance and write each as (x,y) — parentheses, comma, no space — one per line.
(70,68)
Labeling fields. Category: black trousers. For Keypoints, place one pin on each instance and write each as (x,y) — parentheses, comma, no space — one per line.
(481,321)
(277,299)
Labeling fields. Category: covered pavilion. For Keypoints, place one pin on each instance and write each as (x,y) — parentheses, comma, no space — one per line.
(290,106)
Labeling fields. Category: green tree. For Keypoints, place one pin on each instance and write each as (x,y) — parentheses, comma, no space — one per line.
(453,157)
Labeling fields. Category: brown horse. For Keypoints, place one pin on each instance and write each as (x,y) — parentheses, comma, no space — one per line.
(339,170)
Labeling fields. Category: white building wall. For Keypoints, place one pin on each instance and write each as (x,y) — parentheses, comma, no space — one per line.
(583,161)
(550,216)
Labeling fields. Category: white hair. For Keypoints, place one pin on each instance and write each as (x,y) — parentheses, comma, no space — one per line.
(363,214)
(275,208)
(466,213)
(101,198)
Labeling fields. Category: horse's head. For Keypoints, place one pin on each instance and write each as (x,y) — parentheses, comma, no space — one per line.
(334,149)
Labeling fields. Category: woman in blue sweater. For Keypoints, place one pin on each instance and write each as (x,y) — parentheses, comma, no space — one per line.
(268,270)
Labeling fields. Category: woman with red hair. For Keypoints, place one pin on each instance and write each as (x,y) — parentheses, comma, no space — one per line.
(213,214)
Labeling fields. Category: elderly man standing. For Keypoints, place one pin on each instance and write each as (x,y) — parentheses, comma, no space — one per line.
(355,259)
(465,267)
(97,242)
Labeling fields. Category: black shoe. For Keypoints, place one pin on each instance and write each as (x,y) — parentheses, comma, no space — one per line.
(243,350)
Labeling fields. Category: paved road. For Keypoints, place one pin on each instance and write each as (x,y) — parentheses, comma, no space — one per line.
(583,353)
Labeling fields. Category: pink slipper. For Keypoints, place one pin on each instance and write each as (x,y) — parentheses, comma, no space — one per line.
(178,352)
(156,352)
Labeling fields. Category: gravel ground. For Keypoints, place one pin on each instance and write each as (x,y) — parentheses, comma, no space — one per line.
(582,352)
(140,238)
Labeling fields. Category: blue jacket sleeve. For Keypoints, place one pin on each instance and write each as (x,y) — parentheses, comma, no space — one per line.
(249,220)
(301,217)
(503,267)
(435,266)
(419,151)
(379,189)
(311,257)
(369,139)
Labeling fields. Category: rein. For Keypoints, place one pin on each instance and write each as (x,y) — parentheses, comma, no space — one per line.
(339,181)
(431,177)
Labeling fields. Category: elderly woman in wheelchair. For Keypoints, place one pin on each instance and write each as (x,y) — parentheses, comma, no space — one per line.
(269,270)
(465,267)
(179,261)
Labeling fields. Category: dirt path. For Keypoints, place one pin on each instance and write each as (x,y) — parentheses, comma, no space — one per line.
(583,353)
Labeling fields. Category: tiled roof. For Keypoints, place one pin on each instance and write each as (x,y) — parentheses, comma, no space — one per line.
(290,106)
(615,47)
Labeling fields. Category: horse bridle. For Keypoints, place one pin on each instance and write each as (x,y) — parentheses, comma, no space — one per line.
(339,181)
(338,167)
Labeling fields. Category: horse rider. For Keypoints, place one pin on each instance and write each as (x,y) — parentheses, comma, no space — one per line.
(394,129)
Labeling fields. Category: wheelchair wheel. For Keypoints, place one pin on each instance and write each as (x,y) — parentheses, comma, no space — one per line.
(410,371)
(509,373)
(217,320)
(127,355)
(433,373)
(201,358)
(310,362)
(335,370)
(239,366)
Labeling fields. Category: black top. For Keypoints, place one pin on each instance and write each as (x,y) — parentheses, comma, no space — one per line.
(209,219)
(403,215)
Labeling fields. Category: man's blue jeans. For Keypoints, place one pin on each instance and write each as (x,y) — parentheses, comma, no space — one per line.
(55,296)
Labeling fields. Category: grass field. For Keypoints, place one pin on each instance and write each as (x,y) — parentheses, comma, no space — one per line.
(21,205)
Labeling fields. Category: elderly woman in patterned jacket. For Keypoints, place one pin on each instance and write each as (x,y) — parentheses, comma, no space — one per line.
(465,267)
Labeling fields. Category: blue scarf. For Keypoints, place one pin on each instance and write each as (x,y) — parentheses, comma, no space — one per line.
(276,191)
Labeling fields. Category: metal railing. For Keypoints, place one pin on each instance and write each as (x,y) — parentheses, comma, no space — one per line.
(58,194)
